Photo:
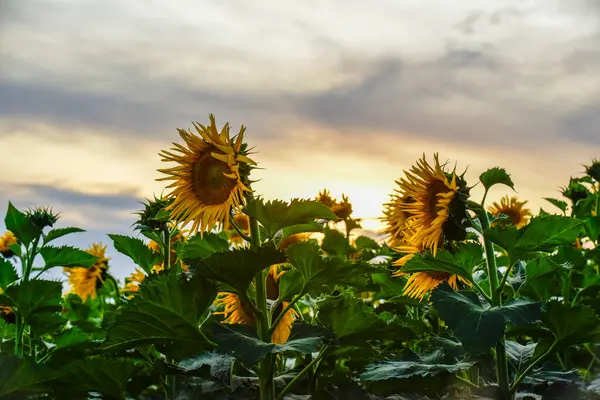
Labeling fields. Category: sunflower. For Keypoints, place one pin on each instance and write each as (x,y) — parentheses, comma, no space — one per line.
(324,197)
(7,239)
(395,219)
(237,311)
(243,222)
(86,281)
(209,181)
(154,246)
(433,194)
(293,239)
(342,209)
(133,281)
(513,209)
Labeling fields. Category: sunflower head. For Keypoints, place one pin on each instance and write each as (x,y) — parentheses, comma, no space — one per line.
(281,334)
(513,209)
(86,281)
(575,191)
(394,217)
(435,195)
(593,170)
(455,227)
(211,179)
(235,309)
(324,197)
(42,217)
(155,215)
(420,283)
(5,240)
(342,209)
(133,281)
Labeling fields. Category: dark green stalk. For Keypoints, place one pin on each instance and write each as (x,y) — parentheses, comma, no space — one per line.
(301,373)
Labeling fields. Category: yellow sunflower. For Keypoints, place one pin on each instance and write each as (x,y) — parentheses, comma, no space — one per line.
(7,239)
(208,183)
(513,209)
(236,311)
(432,193)
(86,281)
(342,209)
(133,281)
(395,219)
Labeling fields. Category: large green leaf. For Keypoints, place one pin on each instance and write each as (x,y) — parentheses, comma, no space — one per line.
(428,366)
(494,176)
(8,273)
(571,325)
(34,297)
(541,278)
(562,205)
(66,256)
(21,225)
(137,250)
(461,263)
(518,354)
(319,273)
(477,326)
(276,215)
(592,228)
(166,312)
(213,364)
(99,374)
(60,232)
(20,377)
(241,341)
(44,323)
(202,246)
(335,243)
(238,267)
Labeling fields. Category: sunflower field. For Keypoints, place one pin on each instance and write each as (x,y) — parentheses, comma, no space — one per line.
(236,297)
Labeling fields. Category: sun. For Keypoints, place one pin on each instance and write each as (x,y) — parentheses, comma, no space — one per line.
(211,178)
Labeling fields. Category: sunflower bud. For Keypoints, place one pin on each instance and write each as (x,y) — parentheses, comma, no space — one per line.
(324,197)
(575,191)
(42,217)
(154,216)
(593,170)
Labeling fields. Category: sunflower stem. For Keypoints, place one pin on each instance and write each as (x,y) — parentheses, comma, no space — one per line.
(285,310)
(167,246)
(301,373)
(265,377)
(501,360)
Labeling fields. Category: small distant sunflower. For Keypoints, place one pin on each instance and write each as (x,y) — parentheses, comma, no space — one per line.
(211,178)
(7,239)
(7,313)
(324,197)
(133,281)
(86,281)
(433,193)
(513,209)
(293,239)
(342,209)
(395,219)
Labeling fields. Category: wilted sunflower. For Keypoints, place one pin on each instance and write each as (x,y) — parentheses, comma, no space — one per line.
(211,178)
(513,209)
(86,281)
(342,209)
(395,219)
(7,239)
(433,194)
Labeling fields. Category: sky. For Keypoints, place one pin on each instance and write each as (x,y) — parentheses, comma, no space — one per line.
(339,95)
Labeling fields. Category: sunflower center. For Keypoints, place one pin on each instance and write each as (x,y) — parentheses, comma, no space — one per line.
(437,187)
(438,275)
(513,215)
(210,185)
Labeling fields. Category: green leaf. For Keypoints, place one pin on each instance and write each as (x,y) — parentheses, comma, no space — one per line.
(202,246)
(444,261)
(215,365)
(319,273)
(409,369)
(21,225)
(241,341)
(66,256)
(16,248)
(494,176)
(335,243)
(44,323)
(8,273)
(545,233)
(571,325)
(312,226)
(276,215)
(34,297)
(541,274)
(518,354)
(562,205)
(166,312)
(592,228)
(238,267)
(20,377)
(364,242)
(137,250)
(100,374)
(59,232)
(477,326)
